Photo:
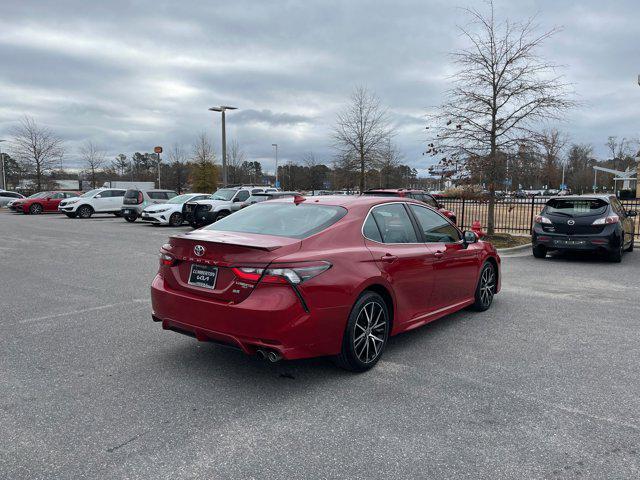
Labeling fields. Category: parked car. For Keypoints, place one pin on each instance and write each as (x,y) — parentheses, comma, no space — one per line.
(420,195)
(99,200)
(584,222)
(263,196)
(170,212)
(135,201)
(294,277)
(41,202)
(221,203)
(7,196)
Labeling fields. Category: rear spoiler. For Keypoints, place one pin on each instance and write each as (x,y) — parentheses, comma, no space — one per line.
(259,242)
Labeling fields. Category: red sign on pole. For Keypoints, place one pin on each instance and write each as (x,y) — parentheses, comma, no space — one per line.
(157,150)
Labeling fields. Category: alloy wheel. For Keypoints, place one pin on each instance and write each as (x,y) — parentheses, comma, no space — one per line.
(487,285)
(370,331)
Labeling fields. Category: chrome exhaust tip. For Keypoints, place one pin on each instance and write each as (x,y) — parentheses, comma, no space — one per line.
(261,354)
(274,357)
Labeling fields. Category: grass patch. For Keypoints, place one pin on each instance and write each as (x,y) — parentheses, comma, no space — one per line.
(506,240)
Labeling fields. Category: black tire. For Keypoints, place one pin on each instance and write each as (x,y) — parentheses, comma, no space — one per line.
(71,215)
(615,256)
(630,249)
(130,218)
(539,251)
(175,220)
(85,211)
(367,328)
(222,214)
(194,224)
(486,288)
(35,209)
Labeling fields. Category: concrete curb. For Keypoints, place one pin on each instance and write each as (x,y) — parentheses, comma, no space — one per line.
(519,248)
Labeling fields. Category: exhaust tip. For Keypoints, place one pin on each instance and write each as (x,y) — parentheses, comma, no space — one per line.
(261,355)
(274,357)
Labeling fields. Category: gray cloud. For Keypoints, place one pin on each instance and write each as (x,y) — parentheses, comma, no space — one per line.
(131,75)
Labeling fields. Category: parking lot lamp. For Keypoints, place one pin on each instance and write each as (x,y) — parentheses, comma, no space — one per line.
(4,176)
(222,109)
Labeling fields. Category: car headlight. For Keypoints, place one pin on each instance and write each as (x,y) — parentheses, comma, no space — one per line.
(71,201)
(159,211)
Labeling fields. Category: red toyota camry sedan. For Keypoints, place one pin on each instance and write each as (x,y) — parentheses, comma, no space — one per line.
(305,277)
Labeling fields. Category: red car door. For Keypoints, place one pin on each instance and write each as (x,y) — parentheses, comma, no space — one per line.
(456,265)
(402,257)
(52,201)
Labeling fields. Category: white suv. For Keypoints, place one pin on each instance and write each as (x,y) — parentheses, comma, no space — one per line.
(100,200)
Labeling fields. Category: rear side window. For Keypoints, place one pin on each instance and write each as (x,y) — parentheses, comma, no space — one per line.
(576,207)
(281,219)
(106,194)
(434,227)
(242,195)
(394,224)
(117,193)
(370,230)
(131,194)
(158,195)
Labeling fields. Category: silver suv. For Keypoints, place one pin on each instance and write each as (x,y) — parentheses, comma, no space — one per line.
(135,201)
(221,203)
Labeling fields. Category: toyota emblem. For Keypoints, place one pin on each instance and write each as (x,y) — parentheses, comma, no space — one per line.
(569,222)
(199,250)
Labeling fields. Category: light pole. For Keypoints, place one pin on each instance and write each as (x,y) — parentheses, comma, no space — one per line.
(222,109)
(4,176)
(277,185)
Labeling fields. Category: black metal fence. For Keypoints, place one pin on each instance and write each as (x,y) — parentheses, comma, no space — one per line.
(512,215)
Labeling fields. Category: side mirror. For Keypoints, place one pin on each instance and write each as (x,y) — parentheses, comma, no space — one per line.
(98,195)
(469,237)
(632,213)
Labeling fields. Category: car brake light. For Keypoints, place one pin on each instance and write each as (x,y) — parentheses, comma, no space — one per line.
(606,220)
(166,259)
(290,273)
(541,219)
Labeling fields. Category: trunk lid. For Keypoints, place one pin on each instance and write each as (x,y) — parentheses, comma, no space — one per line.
(222,251)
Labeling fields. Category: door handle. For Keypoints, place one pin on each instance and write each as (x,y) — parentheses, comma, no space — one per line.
(438,254)
(387,257)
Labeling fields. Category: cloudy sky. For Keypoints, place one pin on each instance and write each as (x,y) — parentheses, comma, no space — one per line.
(132,75)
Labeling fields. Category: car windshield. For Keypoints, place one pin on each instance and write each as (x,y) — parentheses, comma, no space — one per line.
(281,219)
(576,207)
(90,193)
(223,194)
(180,199)
(38,195)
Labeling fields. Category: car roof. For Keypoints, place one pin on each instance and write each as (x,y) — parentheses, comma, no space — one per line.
(599,196)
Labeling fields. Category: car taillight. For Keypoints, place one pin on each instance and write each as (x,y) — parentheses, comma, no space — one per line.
(290,273)
(166,259)
(606,220)
(140,197)
(541,219)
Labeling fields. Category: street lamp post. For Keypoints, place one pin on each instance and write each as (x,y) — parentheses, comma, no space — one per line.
(276,145)
(4,176)
(222,109)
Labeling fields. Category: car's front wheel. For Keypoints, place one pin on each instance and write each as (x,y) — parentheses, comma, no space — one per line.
(175,220)
(222,214)
(130,218)
(85,211)
(35,209)
(365,337)
(486,288)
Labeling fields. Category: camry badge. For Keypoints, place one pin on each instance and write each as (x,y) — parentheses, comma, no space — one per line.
(571,222)
(198,250)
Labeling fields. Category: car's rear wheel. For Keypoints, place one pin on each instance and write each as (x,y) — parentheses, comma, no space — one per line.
(539,251)
(35,209)
(175,220)
(85,211)
(486,288)
(222,214)
(365,337)
(615,256)
(630,249)
(130,218)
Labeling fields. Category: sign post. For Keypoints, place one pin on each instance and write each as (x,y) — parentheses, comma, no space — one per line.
(158,151)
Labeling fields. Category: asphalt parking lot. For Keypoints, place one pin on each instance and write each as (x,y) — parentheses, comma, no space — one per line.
(546,384)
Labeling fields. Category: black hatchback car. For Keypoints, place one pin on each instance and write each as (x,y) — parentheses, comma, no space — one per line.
(584,222)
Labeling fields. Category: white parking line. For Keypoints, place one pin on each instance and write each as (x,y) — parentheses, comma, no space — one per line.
(85,310)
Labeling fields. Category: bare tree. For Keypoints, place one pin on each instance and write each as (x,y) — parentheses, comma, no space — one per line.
(36,147)
(93,158)
(388,159)
(362,130)
(315,171)
(235,158)
(205,173)
(501,91)
(619,150)
(551,143)
(177,169)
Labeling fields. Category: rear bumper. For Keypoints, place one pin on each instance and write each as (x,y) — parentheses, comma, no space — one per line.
(131,210)
(272,317)
(607,240)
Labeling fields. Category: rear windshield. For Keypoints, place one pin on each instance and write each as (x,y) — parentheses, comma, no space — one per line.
(281,219)
(576,207)
(131,194)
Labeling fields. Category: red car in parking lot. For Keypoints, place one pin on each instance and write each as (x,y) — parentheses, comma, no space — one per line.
(420,195)
(41,202)
(337,276)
